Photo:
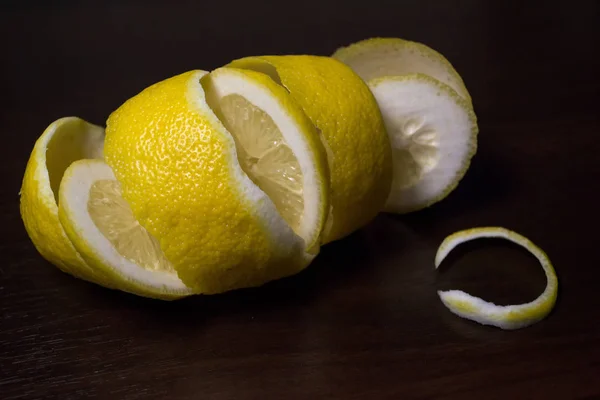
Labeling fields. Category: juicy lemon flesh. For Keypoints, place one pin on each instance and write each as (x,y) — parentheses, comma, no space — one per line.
(265,157)
(114,218)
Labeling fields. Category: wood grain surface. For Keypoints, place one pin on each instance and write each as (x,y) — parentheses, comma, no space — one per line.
(364,321)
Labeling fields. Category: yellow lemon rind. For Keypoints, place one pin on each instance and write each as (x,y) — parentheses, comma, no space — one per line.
(38,206)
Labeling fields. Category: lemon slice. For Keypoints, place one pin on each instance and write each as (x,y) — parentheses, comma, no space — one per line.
(340,105)
(486,313)
(64,141)
(274,148)
(228,209)
(376,57)
(433,134)
(106,234)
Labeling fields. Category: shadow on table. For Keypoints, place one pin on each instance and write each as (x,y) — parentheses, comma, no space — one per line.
(318,279)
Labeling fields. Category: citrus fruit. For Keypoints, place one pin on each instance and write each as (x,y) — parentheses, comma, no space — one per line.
(63,142)
(486,313)
(433,134)
(376,57)
(232,204)
(104,231)
(340,105)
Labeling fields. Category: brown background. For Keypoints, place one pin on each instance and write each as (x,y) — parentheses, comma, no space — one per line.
(364,321)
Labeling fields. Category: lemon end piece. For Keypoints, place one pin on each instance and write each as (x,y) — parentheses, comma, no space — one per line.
(433,134)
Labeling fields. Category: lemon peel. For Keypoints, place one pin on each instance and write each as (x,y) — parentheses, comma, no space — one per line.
(64,141)
(486,313)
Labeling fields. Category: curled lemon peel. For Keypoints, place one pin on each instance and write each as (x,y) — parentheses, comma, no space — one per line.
(486,313)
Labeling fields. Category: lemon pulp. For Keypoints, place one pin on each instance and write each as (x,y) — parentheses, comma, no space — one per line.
(113,217)
(265,156)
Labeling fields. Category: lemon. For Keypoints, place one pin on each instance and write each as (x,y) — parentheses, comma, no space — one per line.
(229,208)
(433,134)
(104,231)
(341,106)
(64,141)
(486,313)
(376,57)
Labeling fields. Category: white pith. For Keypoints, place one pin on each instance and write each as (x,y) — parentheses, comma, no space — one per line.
(426,121)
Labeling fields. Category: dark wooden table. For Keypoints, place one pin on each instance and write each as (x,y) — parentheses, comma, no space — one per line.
(364,321)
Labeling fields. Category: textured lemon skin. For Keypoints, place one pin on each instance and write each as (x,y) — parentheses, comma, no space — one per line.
(341,106)
(38,207)
(178,170)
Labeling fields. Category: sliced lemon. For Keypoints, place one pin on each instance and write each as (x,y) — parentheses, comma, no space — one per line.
(376,57)
(203,192)
(486,313)
(433,134)
(279,150)
(64,141)
(104,231)
(340,105)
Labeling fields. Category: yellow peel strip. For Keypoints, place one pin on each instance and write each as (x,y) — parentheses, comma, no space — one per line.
(484,312)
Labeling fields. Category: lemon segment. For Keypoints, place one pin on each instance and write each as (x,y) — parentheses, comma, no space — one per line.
(64,141)
(104,231)
(179,170)
(341,106)
(433,134)
(376,57)
(265,157)
(279,150)
(114,219)
(486,313)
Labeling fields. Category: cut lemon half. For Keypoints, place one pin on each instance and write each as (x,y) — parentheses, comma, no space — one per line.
(340,105)
(232,182)
(376,57)
(64,141)
(486,313)
(104,231)
(433,134)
